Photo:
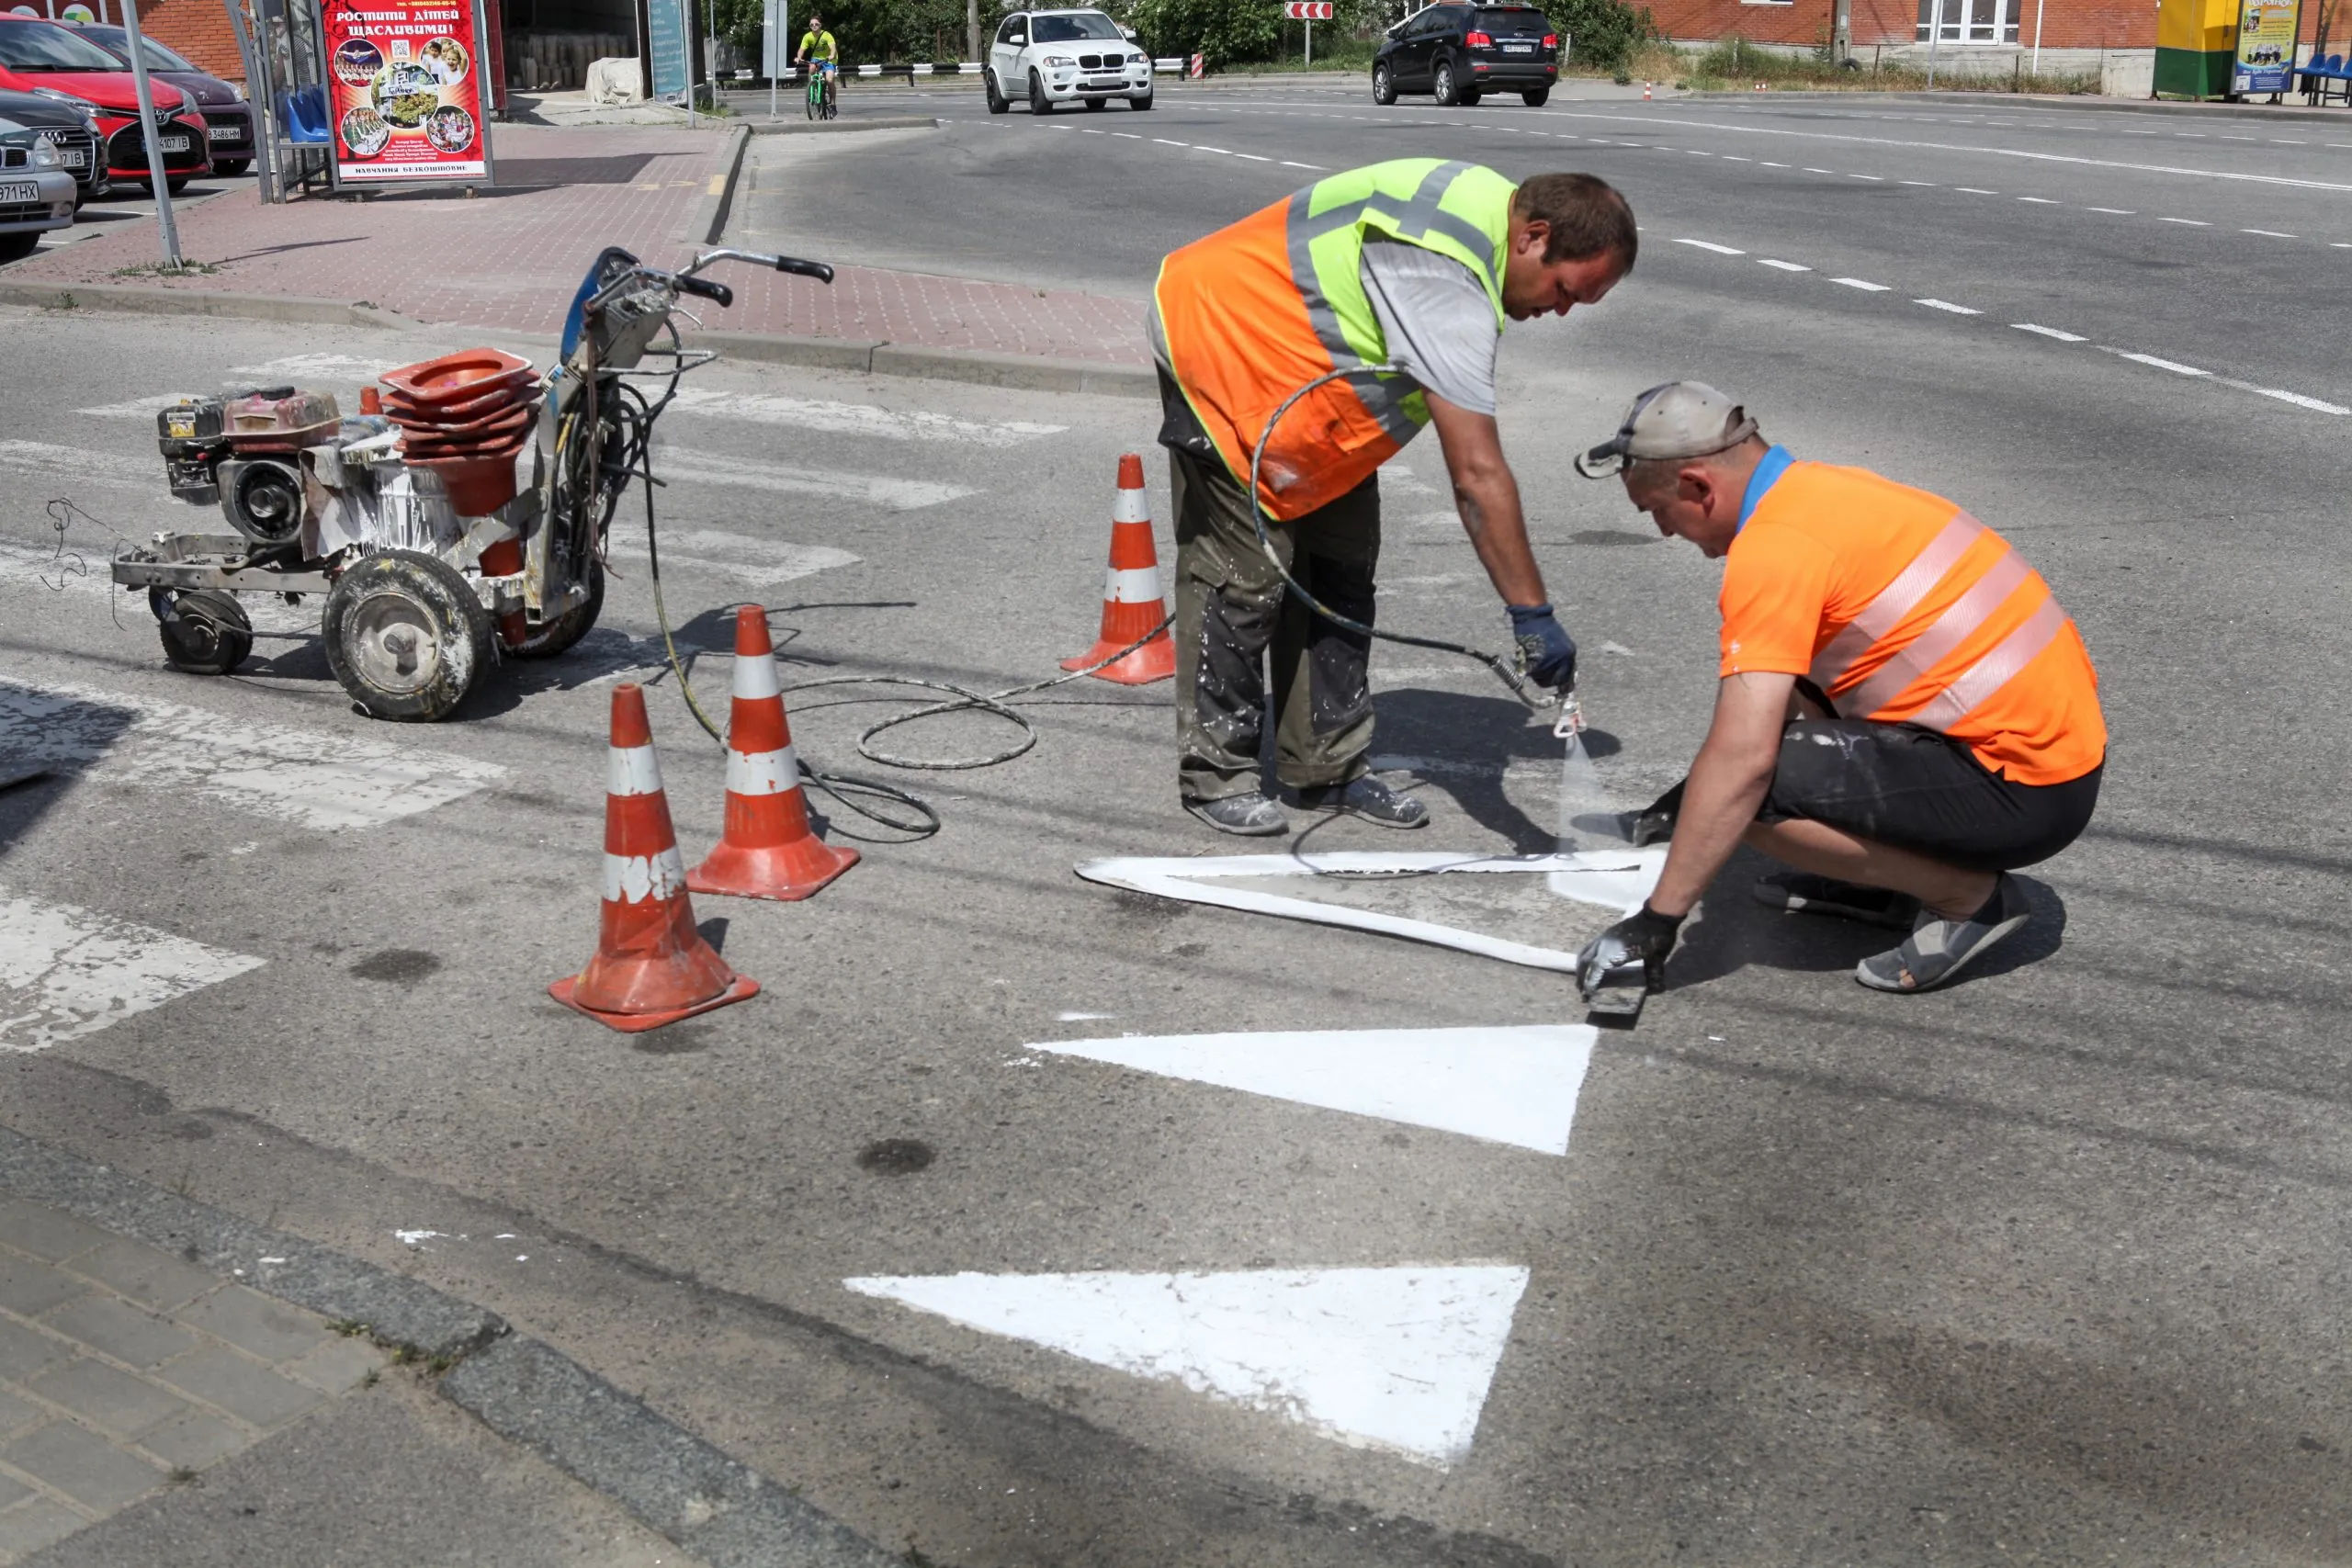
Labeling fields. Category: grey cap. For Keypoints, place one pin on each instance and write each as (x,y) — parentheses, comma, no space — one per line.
(1680,419)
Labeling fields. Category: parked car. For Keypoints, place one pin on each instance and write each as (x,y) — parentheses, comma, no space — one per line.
(58,63)
(227,118)
(71,127)
(1459,53)
(1057,57)
(36,194)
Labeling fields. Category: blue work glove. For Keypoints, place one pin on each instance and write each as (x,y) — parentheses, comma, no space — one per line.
(1644,937)
(1547,655)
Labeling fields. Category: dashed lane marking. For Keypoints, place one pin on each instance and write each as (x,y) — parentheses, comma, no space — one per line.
(2266,234)
(2049,331)
(2174,366)
(2188,222)
(66,972)
(2041,200)
(1782,265)
(2314,404)
(1393,1358)
(1948,305)
(2114,211)
(1516,1085)
(312,780)
(1863,284)
(1711,245)
(1974,190)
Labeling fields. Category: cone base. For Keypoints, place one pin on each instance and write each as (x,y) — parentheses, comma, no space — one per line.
(787,872)
(1154,660)
(741,988)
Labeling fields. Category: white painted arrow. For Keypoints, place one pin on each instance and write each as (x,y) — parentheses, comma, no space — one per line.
(1515,1085)
(1392,1359)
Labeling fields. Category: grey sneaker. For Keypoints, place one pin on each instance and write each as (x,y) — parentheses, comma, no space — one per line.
(1251,815)
(1369,798)
(1795,892)
(1936,950)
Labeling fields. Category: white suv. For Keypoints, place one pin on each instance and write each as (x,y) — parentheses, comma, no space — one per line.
(1053,57)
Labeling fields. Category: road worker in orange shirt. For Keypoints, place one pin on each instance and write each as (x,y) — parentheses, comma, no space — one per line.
(1904,713)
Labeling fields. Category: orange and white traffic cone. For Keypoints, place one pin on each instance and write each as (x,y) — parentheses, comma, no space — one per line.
(652,966)
(1132,600)
(767,849)
(1646,92)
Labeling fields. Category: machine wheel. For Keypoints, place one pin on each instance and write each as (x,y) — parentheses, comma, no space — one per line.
(1038,102)
(1383,84)
(1445,84)
(205,631)
(231,167)
(998,101)
(406,635)
(554,637)
(1534,97)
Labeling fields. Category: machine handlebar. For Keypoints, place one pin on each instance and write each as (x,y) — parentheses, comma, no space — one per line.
(817,270)
(708,289)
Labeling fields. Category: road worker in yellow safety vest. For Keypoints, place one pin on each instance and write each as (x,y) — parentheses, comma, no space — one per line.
(1904,713)
(1415,263)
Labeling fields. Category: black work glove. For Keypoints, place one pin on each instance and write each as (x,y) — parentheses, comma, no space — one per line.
(1547,655)
(1654,823)
(1645,935)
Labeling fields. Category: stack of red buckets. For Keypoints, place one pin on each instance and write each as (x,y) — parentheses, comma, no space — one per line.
(465,416)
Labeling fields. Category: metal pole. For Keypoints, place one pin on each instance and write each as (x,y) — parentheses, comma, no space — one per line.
(775,49)
(1309,26)
(2037,36)
(1935,37)
(686,46)
(168,230)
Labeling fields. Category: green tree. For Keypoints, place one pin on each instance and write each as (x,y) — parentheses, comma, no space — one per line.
(1603,33)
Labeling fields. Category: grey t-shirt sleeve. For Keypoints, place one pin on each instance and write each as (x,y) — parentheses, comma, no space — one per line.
(1439,325)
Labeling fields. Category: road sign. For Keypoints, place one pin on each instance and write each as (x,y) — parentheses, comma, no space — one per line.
(1308,10)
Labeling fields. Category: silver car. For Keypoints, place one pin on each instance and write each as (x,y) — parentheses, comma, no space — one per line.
(37,191)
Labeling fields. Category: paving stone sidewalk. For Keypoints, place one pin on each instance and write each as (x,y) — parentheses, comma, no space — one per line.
(512,257)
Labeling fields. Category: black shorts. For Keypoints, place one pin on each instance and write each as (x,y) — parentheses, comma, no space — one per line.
(1924,792)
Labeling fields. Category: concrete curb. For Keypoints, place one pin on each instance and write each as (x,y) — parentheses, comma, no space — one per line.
(2076,103)
(840,127)
(155,300)
(1016,371)
(668,1479)
(724,1513)
(712,207)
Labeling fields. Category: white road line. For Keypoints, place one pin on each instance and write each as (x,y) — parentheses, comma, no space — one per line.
(1861,284)
(1514,1085)
(1219,151)
(2301,401)
(2041,200)
(1163,142)
(1812,171)
(2227,138)
(1770,164)
(2339,245)
(2114,211)
(1782,265)
(1711,245)
(1919,182)
(856,419)
(2287,142)
(1127,136)
(2191,222)
(2176,368)
(1731,158)
(873,489)
(1083,131)
(1973,190)
(2049,331)
(1874,178)
(2266,234)
(1948,305)
(1393,1358)
(66,972)
(1253,157)
(1288,164)
(309,778)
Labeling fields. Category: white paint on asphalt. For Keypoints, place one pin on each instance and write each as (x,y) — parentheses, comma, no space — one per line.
(1515,1085)
(2266,234)
(133,408)
(322,367)
(2048,332)
(1397,1358)
(2301,401)
(1972,190)
(2188,223)
(2174,366)
(1782,265)
(310,780)
(2041,200)
(66,972)
(763,562)
(890,493)
(1863,284)
(80,464)
(1711,245)
(2113,211)
(1948,305)
(856,419)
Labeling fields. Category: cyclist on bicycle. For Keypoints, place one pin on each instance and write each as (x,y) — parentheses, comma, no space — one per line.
(816,46)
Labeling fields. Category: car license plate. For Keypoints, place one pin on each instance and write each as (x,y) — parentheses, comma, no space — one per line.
(11,195)
(1519,49)
(70,157)
(222,133)
(172,143)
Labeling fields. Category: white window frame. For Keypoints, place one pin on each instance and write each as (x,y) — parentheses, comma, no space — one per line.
(1962,28)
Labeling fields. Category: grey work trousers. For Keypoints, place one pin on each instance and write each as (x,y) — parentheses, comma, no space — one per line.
(1233,613)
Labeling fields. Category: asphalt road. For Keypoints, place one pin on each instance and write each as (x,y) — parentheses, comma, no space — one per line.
(2045,1267)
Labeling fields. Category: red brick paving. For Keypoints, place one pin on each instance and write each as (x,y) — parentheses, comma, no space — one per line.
(512,258)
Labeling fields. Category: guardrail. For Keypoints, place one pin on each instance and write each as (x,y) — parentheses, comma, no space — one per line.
(1172,66)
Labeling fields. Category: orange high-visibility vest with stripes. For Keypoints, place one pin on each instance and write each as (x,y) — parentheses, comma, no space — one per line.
(1922,616)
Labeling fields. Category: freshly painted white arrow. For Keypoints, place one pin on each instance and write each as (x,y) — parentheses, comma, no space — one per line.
(1514,1085)
(1393,1358)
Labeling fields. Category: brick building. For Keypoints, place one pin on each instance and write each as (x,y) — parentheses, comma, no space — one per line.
(2072,28)
(197,29)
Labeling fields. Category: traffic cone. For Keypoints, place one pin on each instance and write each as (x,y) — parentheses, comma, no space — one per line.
(767,851)
(1132,600)
(1646,92)
(652,966)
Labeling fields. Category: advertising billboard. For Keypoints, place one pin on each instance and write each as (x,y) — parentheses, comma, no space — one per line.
(2265,57)
(404,91)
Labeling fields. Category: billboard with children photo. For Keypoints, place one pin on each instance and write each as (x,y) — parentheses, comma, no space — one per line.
(405,91)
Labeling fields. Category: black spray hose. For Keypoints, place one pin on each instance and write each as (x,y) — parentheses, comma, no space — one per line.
(1507,674)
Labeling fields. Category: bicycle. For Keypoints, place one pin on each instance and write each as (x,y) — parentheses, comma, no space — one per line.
(821,104)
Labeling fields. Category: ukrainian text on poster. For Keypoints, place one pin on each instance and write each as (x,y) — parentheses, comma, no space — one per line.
(405,90)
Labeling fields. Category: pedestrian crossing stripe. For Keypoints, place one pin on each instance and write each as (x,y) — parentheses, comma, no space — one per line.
(67,972)
(1393,1358)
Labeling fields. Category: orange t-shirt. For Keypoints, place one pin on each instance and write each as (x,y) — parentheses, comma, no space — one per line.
(1824,543)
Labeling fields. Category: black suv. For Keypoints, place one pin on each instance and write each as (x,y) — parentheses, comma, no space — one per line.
(1461,52)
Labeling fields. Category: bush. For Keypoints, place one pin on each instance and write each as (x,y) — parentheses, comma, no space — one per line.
(1603,34)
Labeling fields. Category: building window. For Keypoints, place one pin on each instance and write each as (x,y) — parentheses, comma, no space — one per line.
(1971,21)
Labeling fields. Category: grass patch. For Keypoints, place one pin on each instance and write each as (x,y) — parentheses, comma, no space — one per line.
(1735,64)
(157,269)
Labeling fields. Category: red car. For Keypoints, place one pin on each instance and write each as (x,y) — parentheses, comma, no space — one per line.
(58,63)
